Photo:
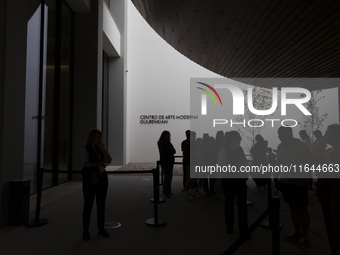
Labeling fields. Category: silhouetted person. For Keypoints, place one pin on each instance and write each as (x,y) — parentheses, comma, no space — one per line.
(235,187)
(292,151)
(208,158)
(318,147)
(259,155)
(220,145)
(271,157)
(190,158)
(308,141)
(183,144)
(198,183)
(95,182)
(198,142)
(167,159)
(329,190)
(221,158)
(305,139)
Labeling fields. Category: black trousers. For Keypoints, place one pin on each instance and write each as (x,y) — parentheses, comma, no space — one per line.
(209,185)
(167,169)
(185,169)
(96,190)
(235,188)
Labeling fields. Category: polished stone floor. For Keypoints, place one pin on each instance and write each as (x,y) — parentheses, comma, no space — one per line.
(192,227)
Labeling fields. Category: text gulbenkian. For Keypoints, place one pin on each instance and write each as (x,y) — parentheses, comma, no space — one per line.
(164,119)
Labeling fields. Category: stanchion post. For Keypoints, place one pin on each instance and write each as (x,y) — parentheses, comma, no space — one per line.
(267,222)
(275,225)
(155,222)
(160,199)
(37,222)
(156,195)
(158,167)
(270,203)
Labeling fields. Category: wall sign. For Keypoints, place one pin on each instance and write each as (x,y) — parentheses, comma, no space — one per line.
(164,119)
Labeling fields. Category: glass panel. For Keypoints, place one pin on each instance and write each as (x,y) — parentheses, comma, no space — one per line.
(65,85)
(105,99)
(32,95)
(49,72)
(56,87)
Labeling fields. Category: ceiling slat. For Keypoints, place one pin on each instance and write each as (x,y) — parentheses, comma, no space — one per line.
(252,38)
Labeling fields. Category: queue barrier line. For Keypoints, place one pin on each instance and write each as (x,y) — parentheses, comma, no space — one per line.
(242,238)
(175,163)
(273,210)
(273,213)
(155,222)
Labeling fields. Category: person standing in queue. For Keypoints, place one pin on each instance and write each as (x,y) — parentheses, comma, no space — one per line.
(290,152)
(235,188)
(183,145)
(167,159)
(259,155)
(328,189)
(95,181)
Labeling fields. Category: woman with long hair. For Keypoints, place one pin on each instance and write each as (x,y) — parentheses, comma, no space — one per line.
(167,159)
(95,181)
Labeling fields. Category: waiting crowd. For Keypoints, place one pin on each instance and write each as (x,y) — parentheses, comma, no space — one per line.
(225,148)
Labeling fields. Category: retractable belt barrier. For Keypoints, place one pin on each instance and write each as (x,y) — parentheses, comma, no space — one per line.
(273,210)
(175,163)
(273,213)
(155,222)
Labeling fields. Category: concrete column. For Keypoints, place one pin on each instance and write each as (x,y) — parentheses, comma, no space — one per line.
(117,97)
(87,81)
(13,40)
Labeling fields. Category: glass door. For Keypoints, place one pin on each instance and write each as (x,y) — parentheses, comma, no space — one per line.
(33,117)
(48,92)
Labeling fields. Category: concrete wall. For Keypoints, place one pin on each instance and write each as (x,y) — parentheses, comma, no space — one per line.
(87,103)
(2,85)
(117,89)
(111,36)
(87,90)
(13,34)
(87,76)
(158,83)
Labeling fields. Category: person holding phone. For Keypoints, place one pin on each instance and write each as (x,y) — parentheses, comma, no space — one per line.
(95,181)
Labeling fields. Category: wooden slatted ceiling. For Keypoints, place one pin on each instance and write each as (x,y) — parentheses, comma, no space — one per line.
(252,38)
